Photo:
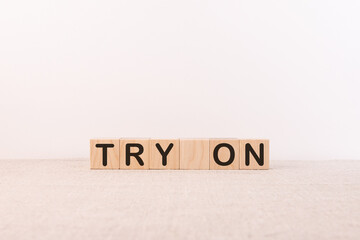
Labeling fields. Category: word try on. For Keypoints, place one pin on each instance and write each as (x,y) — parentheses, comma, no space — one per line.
(226,154)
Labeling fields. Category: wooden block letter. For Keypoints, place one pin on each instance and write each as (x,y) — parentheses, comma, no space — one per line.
(134,153)
(164,154)
(194,153)
(254,154)
(104,154)
(224,154)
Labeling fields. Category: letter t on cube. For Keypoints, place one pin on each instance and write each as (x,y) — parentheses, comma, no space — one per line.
(104,154)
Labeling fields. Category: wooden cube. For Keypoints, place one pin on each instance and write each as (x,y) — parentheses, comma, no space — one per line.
(164,154)
(254,154)
(134,153)
(224,154)
(194,153)
(104,154)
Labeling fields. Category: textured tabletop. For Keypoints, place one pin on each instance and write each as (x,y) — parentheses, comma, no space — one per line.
(63,199)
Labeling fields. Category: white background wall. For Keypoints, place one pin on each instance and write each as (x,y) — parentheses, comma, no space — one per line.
(283,70)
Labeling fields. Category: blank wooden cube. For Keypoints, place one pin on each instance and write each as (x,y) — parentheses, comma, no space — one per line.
(254,154)
(164,154)
(104,154)
(194,153)
(224,154)
(134,153)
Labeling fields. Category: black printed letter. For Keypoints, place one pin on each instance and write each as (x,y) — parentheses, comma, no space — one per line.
(104,147)
(259,160)
(232,154)
(136,155)
(164,154)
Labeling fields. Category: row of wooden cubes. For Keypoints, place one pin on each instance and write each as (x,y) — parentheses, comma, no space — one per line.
(226,154)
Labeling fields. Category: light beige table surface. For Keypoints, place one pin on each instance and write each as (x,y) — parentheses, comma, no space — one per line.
(63,199)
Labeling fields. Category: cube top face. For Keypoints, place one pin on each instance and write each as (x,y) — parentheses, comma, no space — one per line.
(254,154)
(164,154)
(104,154)
(224,154)
(194,154)
(134,153)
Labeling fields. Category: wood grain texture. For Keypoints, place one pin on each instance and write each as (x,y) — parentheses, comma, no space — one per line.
(134,163)
(194,153)
(172,158)
(255,145)
(96,154)
(223,154)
